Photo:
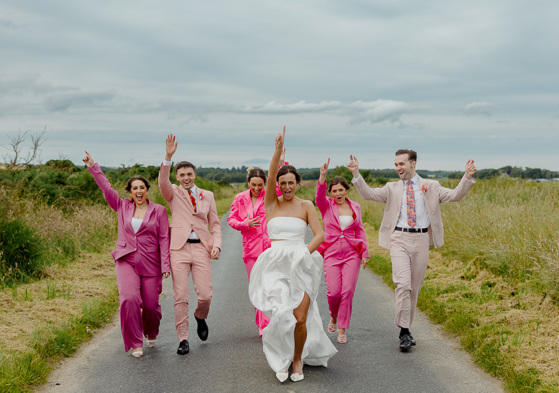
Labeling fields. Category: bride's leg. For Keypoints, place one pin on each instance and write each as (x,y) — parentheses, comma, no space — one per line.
(300,334)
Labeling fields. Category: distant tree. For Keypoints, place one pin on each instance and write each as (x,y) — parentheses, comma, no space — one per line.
(17,157)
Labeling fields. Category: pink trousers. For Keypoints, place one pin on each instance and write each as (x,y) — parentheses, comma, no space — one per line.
(192,258)
(341,271)
(140,312)
(409,253)
(259,317)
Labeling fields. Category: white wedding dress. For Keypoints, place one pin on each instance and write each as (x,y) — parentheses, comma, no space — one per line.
(278,281)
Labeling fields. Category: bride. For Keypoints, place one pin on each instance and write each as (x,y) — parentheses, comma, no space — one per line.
(285,279)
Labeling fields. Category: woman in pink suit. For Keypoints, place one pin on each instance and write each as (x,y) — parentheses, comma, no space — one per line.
(345,248)
(248,215)
(141,257)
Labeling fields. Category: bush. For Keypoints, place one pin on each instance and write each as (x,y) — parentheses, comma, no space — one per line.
(20,251)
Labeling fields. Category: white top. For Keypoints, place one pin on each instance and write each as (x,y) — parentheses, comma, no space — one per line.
(345,221)
(136,224)
(421,215)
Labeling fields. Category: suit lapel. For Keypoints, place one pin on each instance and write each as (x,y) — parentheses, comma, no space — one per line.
(335,210)
(427,197)
(399,193)
(147,216)
(129,208)
(259,202)
(247,204)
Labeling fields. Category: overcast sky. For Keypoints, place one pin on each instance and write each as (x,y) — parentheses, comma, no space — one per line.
(452,80)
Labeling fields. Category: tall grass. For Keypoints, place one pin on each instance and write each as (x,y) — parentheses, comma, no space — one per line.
(55,235)
(510,228)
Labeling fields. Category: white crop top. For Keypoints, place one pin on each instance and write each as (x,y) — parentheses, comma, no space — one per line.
(136,224)
(345,221)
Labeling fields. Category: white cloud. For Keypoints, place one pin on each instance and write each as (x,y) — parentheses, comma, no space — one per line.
(479,108)
(63,101)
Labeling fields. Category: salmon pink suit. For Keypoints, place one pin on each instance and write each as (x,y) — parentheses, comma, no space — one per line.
(255,240)
(344,248)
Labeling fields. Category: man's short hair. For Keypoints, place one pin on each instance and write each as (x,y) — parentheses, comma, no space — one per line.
(412,155)
(185,164)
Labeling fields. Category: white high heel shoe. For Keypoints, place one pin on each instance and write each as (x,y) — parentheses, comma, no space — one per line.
(296,377)
(282,375)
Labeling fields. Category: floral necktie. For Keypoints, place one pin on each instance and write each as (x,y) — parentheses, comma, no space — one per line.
(410,199)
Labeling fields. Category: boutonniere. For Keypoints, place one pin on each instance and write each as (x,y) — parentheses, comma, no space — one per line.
(424,188)
(201,195)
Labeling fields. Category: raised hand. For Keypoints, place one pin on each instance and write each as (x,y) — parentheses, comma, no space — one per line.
(88,160)
(470,169)
(170,147)
(353,166)
(280,139)
(324,171)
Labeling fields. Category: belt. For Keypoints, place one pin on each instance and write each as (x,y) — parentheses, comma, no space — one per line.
(412,230)
(193,241)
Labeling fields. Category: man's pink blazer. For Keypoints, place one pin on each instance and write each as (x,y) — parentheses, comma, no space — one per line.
(353,233)
(152,239)
(433,193)
(205,222)
(255,240)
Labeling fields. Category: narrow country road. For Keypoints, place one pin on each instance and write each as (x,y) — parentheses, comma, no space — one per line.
(231,360)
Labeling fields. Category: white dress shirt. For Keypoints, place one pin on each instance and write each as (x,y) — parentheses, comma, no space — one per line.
(421,215)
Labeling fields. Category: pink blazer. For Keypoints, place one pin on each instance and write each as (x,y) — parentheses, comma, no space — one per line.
(433,193)
(152,239)
(255,240)
(205,221)
(354,233)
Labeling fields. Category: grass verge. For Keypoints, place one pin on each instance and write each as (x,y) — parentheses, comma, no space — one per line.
(47,320)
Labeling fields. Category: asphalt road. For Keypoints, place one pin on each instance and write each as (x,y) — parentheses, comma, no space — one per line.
(231,360)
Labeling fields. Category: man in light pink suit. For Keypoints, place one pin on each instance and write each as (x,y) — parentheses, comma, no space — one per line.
(411,224)
(195,239)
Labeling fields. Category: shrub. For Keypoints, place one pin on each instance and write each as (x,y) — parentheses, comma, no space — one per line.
(20,251)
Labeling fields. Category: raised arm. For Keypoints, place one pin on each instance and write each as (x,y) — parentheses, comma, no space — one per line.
(163,180)
(457,194)
(111,196)
(271,196)
(320,196)
(366,192)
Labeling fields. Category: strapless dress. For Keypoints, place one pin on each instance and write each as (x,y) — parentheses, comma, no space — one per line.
(278,281)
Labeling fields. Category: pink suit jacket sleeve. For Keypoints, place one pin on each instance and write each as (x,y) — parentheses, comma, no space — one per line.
(234,219)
